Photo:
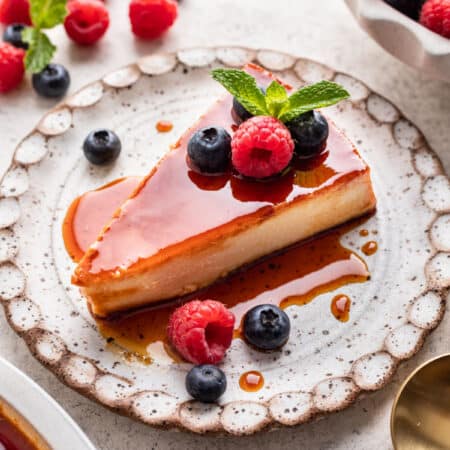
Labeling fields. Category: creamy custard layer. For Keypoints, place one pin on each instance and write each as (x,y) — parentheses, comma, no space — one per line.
(180,231)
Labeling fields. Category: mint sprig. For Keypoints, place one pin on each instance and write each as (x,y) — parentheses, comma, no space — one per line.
(243,86)
(45,14)
(276,102)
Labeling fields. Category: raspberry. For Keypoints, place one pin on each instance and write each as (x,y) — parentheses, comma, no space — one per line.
(261,147)
(151,18)
(435,15)
(11,66)
(87,21)
(201,331)
(15,11)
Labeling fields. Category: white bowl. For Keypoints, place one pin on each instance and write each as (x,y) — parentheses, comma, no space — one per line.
(40,410)
(404,38)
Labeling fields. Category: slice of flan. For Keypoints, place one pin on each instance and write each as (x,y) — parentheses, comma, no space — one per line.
(181,231)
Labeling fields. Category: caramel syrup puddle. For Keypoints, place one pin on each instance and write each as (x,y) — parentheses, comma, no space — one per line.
(340,307)
(251,381)
(369,248)
(293,276)
(164,126)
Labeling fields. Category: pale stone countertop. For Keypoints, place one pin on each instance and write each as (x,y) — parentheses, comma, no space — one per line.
(323,30)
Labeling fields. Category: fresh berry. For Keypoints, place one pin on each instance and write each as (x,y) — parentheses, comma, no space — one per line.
(11,66)
(87,21)
(261,147)
(409,7)
(435,16)
(201,331)
(151,18)
(13,35)
(310,133)
(240,114)
(15,11)
(209,150)
(52,82)
(206,383)
(102,147)
(266,327)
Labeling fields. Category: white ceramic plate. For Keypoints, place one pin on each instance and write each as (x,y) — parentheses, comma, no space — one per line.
(404,38)
(327,364)
(40,410)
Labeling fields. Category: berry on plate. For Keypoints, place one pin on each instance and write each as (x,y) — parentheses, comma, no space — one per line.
(209,150)
(13,35)
(206,383)
(240,114)
(102,147)
(310,133)
(87,21)
(15,11)
(11,66)
(435,15)
(266,327)
(201,331)
(52,82)
(151,18)
(261,147)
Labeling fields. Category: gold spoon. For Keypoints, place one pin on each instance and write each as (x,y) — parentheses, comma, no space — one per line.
(420,418)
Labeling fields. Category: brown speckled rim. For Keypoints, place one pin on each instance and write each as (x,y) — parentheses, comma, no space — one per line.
(369,373)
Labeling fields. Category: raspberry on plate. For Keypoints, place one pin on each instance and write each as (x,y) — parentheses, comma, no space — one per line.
(15,11)
(87,21)
(261,147)
(435,15)
(11,66)
(151,18)
(201,331)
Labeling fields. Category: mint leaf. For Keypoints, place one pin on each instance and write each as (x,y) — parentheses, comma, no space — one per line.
(40,49)
(276,97)
(319,95)
(47,13)
(242,86)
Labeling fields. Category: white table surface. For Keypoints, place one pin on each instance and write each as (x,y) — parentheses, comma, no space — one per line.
(322,30)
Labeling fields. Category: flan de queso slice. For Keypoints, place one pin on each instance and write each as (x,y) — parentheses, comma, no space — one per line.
(181,231)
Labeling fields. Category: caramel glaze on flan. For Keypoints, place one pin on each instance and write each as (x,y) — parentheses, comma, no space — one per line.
(180,231)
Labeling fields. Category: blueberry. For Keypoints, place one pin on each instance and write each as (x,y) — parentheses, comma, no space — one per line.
(102,147)
(266,327)
(310,132)
(209,150)
(409,7)
(206,383)
(53,81)
(13,35)
(240,114)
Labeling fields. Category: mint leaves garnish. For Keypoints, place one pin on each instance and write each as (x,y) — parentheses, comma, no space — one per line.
(243,86)
(45,14)
(276,102)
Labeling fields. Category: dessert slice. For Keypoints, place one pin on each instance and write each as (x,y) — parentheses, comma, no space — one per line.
(182,230)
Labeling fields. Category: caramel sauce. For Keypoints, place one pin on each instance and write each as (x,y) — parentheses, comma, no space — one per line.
(89,213)
(16,433)
(340,307)
(364,233)
(164,126)
(251,381)
(294,276)
(170,200)
(369,248)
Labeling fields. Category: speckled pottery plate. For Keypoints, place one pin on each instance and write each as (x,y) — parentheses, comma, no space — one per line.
(326,364)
